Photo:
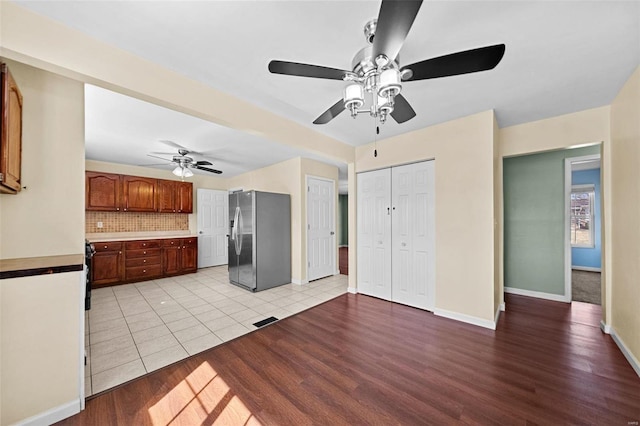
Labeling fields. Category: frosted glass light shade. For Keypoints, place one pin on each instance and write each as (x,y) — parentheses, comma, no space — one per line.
(353,96)
(182,172)
(390,83)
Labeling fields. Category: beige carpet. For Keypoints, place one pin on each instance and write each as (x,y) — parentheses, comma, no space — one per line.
(585,287)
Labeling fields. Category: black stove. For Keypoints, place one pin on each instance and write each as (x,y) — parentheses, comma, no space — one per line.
(89,251)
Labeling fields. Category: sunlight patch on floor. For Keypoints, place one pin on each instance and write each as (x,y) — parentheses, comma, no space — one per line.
(201,395)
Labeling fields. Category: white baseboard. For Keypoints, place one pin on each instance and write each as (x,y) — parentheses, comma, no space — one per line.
(352,290)
(52,415)
(503,307)
(465,318)
(336,272)
(635,364)
(586,268)
(299,282)
(497,317)
(538,294)
(606,329)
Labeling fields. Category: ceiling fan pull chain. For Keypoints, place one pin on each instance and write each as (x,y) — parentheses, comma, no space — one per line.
(375,140)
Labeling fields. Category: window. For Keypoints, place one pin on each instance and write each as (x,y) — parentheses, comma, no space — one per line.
(582,223)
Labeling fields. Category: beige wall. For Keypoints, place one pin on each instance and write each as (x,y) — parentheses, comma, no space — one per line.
(498,270)
(47,218)
(625,199)
(463,153)
(40,358)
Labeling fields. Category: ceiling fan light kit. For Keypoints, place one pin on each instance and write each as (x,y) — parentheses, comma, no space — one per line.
(376,68)
(183,162)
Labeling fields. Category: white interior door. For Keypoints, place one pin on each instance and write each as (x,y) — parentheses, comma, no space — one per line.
(374,233)
(213,213)
(321,238)
(413,242)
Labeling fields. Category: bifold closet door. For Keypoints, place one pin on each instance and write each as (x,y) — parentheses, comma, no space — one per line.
(412,238)
(374,233)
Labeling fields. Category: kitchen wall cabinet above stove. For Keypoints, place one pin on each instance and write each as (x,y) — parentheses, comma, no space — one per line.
(114,192)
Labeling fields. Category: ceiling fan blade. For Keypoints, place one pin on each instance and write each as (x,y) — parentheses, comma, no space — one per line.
(394,22)
(152,165)
(164,153)
(160,158)
(331,113)
(203,163)
(172,144)
(306,70)
(402,111)
(206,169)
(474,60)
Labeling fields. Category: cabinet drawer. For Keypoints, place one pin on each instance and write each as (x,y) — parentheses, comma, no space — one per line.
(143,272)
(142,261)
(190,241)
(174,242)
(110,246)
(143,253)
(138,245)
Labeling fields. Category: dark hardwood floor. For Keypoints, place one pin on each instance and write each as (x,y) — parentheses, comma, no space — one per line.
(360,360)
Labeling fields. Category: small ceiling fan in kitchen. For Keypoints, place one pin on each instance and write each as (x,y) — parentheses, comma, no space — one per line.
(184,160)
(376,70)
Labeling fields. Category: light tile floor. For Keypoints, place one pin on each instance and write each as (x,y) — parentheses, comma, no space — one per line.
(137,328)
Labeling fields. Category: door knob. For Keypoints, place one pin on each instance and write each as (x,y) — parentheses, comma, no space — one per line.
(332,233)
(200,232)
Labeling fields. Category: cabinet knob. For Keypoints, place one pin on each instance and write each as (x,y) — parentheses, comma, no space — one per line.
(117,208)
(106,246)
(182,246)
(119,252)
(178,247)
(172,242)
(125,210)
(144,271)
(144,244)
(144,261)
(144,252)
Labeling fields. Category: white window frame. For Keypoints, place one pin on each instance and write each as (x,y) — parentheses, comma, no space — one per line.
(590,188)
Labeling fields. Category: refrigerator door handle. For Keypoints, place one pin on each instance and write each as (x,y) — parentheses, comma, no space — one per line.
(234,228)
(239,234)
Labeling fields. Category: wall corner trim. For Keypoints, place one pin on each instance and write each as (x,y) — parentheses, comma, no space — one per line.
(635,364)
(606,329)
(352,290)
(480,322)
(538,294)
(503,307)
(52,415)
(496,318)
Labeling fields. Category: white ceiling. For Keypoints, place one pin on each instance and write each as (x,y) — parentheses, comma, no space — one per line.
(561,57)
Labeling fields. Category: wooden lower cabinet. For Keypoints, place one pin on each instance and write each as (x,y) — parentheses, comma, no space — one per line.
(180,256)
(121,262)
(107,265)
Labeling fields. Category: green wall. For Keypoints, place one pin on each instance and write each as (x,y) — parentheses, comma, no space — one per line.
(534,220)
(343,218)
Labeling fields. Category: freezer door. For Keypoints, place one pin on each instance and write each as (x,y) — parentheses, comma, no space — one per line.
(245,229)
(234,212)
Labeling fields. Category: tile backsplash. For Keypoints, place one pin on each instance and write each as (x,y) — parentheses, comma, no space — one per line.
(135,222)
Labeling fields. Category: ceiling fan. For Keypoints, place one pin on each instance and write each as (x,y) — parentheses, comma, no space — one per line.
(184,160)
(376,68)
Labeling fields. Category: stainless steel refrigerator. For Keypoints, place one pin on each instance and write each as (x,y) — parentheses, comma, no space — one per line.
(259,239)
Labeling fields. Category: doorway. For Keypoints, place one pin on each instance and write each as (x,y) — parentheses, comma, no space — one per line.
(213,213)
(321,238)
(583,207)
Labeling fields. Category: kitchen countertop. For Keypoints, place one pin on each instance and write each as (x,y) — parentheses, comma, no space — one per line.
(30,266)
(131,236)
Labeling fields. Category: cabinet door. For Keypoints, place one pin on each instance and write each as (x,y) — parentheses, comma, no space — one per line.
(10,134)
(189,255)
(184,197)
(107,268)
(102,191)
(139,194)
(171,260)
(167,196)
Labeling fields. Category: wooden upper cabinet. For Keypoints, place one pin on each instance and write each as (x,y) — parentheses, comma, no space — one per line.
(167,196)
(102,191)
(10,133)
(113,192)
(184,197)
(139,194)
